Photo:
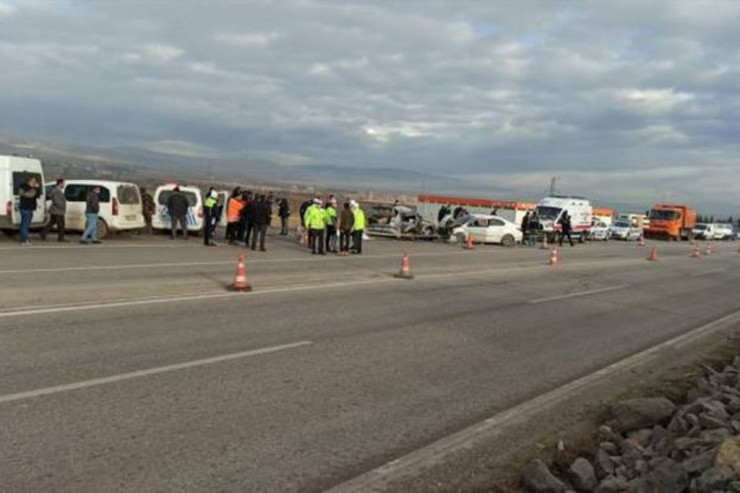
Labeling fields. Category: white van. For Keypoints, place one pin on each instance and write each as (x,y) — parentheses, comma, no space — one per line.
(120,206)
(14,171)
(161,219)
(550,210)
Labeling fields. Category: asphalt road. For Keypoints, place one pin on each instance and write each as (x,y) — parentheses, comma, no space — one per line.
(130,367)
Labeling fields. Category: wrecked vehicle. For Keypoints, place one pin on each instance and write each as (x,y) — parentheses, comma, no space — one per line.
(404,223)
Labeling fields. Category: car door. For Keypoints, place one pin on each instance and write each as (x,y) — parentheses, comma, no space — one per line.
(76,195)
(495,231)
(478,229)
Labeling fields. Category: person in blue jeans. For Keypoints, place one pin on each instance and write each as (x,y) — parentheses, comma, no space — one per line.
(28,199)
(92,208)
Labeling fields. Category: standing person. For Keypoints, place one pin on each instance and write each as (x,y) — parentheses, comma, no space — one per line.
(346,221)
(565,226)
(315,222)
(525,228)
(209,209)
(358,227)
(330,219)
(148,209)
(92,209)
(57,211)
(28,199)
(246,226)
(284,213)
(260,219)
(233,213)
(177,208)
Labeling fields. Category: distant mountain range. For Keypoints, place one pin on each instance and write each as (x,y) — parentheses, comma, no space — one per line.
(264,170)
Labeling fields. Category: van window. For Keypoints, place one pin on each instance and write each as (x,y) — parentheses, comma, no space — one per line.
(165,194)
(128,195)
(78,193)
(20,177)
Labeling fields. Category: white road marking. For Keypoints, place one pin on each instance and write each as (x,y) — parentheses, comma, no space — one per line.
(580,293)
(87,306)
(414,463)
(145,373)
(36,246)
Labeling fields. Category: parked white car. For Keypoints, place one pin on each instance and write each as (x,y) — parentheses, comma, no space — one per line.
(724,232)
(486,229)
(623,230)
(704,231)
(599,232)
(120,206)
(161,219)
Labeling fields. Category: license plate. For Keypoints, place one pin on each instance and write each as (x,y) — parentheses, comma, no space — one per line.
(131,218)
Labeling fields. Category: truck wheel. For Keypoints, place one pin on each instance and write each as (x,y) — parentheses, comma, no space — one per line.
(508,241)
(102,229)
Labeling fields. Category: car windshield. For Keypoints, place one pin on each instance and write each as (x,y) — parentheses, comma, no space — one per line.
(700,227)
(128,195)
(165,194)
(662,215)
(548,213)
(621,224)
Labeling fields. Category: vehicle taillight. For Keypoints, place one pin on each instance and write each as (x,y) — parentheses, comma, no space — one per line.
(9,209)
(115,206)
(200,211)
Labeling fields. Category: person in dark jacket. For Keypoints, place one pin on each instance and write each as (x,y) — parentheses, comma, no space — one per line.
(260,219)
(92,209)
(148,209)
(57,210)
(565,230)
(177,207)
(245,220)
(346,221)
(284,213)
(28,200)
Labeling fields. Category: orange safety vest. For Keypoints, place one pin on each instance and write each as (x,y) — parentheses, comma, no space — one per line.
(232,212)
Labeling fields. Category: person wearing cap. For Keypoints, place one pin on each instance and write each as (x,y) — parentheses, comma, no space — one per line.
(330,219)
(209,209)
(358,227)
(315,222)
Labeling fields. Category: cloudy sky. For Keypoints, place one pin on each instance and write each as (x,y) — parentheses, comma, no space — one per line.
(624,101)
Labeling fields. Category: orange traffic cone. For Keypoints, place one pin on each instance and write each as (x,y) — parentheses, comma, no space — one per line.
(240,281)
(405,272)
(653,254)
(554,258)
(709,250)
(469,243)
(696,253)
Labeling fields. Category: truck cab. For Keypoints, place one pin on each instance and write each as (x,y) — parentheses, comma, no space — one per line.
(671,222)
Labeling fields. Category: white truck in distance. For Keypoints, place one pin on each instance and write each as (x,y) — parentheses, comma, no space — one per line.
(549,212)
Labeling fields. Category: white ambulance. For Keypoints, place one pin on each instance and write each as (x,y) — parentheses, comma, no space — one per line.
(549,212)
(161,219)
(14,171)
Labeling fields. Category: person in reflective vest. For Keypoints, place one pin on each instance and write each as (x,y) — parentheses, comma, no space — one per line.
(209,206)
(315,222)
(358,227)
(330,218)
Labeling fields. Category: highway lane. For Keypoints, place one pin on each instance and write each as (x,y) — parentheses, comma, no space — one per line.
(391,367)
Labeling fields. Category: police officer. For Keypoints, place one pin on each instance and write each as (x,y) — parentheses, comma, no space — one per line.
(358,227)
(330,218)
(315,222)
(565,230)
(209,208)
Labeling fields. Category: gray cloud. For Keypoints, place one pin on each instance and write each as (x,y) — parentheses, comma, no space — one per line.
(627,101)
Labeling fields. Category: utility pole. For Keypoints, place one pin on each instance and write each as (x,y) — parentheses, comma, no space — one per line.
(552,185)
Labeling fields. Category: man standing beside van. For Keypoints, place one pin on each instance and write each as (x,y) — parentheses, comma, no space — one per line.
(566,227)
(148,209)
(92,209)
(57,211)
(29,195)
(209,207)
(177,207)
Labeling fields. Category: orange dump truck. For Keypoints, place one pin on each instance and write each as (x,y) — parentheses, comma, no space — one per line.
(671,222)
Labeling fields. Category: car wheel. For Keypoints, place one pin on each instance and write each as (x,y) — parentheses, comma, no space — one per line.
(102,229)
(508,241)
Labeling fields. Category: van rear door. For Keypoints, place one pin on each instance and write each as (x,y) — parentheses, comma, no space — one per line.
(19,178)
(129,207)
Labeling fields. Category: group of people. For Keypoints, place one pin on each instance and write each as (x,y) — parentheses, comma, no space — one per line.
(248,215)
(321,224)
